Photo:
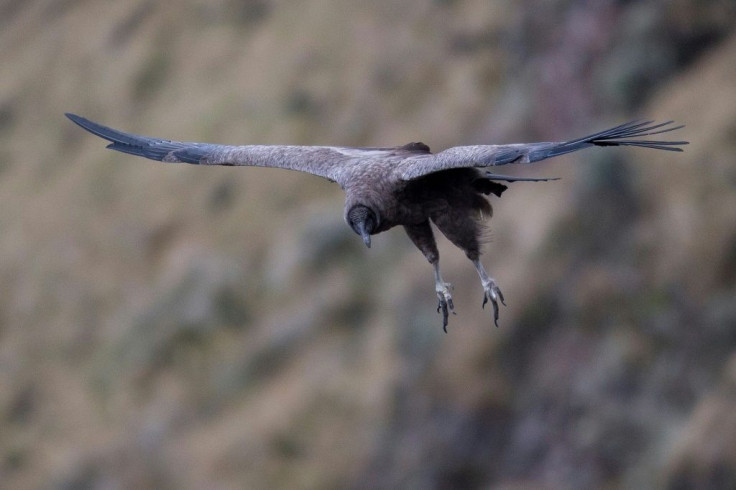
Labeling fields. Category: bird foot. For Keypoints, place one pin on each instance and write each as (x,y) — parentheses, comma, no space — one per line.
(492,293)
(445,302)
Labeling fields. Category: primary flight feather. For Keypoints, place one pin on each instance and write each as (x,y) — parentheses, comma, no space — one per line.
(404,185)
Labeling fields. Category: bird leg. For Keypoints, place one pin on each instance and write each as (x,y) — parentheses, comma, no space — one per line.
(491,292)
(443,295)
(421,235)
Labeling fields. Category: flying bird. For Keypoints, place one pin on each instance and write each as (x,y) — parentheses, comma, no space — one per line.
(404,185)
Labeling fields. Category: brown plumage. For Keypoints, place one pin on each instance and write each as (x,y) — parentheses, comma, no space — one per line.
(405,185)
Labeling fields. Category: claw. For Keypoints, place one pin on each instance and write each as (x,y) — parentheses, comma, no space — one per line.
(493,293)
(495,313)
(445,305)
(442,305)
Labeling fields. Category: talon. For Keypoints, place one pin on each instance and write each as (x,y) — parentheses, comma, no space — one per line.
(492,293)
(495,313)
(442,305)
(445,305)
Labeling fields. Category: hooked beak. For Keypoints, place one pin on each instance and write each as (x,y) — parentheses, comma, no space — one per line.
(364,234)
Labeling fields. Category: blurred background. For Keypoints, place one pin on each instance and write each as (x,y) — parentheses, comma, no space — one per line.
(169,326)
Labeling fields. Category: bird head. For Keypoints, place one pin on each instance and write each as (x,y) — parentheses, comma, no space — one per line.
(363,221)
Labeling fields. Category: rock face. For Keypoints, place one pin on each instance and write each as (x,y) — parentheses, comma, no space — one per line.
(177,327)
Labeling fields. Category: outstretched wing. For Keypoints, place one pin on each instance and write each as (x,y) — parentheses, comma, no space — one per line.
(491,155)
(325,161)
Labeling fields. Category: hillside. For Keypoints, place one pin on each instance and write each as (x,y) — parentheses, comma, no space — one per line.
(167,326)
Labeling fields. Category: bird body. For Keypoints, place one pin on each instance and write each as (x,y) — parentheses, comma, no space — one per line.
(405,185)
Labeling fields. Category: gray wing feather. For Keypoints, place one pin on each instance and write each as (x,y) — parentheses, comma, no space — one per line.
(512,178)
(491,155)
(323,161)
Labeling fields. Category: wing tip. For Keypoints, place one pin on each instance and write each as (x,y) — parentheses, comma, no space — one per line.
(629,134)
(93,127)
(75,118)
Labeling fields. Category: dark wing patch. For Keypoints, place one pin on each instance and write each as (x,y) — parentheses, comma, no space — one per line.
(417,147)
